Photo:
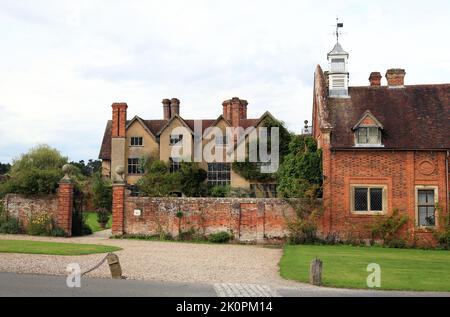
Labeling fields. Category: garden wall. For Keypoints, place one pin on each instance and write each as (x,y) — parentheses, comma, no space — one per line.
(249,220)
(21,207)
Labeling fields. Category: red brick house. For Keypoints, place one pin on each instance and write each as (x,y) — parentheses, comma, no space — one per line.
(385,148)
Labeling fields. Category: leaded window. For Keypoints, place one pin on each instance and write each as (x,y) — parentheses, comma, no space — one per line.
(134,166)
(368,199)
(137,141)
(219,174)
(176,139)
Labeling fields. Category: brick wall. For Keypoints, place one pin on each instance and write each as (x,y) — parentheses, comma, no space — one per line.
(400,171)
(249,220)
(20,207)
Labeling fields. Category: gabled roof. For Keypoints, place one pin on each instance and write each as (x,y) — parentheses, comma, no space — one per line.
(176,117)
(371,117)
(143,124)
(413,117)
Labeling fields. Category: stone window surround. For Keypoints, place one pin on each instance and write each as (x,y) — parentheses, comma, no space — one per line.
(350,181)
(365,185)
(416,203)
(136,138)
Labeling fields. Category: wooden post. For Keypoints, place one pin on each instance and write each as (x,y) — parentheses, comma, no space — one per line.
(315,273)
(114,266)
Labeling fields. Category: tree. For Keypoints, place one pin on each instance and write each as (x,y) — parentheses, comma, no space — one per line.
(88,169)
(159,182)
(252,170)
(301,168)
(36,172)
(102,198)
(193,180)
(4,168)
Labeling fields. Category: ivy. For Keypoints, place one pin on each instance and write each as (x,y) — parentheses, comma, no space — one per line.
(252,170)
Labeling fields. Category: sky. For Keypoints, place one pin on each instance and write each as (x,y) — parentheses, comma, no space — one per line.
(64,62)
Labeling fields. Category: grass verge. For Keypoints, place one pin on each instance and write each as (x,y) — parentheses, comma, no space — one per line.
(346,267)
(53,248)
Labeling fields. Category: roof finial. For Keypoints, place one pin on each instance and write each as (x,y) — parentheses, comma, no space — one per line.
(338,25)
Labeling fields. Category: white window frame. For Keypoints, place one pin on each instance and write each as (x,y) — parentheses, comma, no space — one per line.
(380,137)
(436,201)
(385,199)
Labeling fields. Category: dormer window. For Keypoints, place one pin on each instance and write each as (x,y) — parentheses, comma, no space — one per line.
(369,135)
(368,131)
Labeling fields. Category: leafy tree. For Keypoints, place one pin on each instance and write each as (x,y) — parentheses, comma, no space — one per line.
(159,182)
(301,168)
(4,168)
(102,193)
(193,180)
(102,198)
(36,172)
(88,169)
(252,170)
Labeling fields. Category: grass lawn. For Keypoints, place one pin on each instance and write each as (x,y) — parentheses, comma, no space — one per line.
(345,266)
(91,221)
(52,248)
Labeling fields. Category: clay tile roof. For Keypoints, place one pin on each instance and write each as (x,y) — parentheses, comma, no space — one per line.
(105,150)
(414,117)
(155,127)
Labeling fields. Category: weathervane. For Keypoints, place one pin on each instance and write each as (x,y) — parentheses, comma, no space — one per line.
(338,26)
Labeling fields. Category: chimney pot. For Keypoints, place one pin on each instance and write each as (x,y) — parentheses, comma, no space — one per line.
(375,79)
(395,77)
(166,109)
(174,107)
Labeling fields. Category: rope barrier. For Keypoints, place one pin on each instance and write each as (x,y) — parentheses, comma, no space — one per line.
(97,266)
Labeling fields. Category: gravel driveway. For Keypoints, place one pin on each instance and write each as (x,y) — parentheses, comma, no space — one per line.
(161,261)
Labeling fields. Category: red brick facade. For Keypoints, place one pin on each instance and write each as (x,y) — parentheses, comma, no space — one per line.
(413,154)
(65,207)
(400,171)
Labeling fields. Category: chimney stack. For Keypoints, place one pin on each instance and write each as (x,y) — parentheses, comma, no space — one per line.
(119,120)
(166,108)
(375,79)
(395,77)
(174,107)
(227,110)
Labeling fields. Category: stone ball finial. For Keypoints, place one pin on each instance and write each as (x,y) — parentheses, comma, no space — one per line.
(120,171)
(67,169)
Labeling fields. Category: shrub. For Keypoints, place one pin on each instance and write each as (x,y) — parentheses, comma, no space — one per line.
(220,191)
(101,193)
(220,237)
(103,216)
(159,182)
(2,212)
(387,228)
(11,226)
(43,225)
(191,235)
(303,229)
(36,172)
(442,235)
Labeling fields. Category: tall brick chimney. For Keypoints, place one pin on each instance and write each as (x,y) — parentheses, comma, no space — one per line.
(395,77)
(119,120)
(227,110)
(375,79)
(174,107)
(166,109)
